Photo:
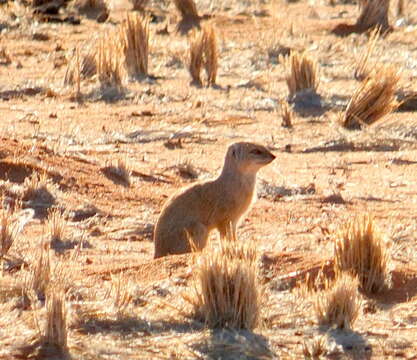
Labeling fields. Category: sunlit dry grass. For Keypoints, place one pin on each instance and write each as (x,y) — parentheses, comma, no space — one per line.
(227,291)
(302,73)
(373,99)
(363,67)
(134,35)
(338,304)
(361,249)
(8,232)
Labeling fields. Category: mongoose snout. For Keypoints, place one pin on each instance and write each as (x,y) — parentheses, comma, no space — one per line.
(189,216)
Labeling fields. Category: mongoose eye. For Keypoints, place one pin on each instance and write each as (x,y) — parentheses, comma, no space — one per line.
(256,152)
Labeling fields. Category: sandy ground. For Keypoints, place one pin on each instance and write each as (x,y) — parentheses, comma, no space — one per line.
(323,176)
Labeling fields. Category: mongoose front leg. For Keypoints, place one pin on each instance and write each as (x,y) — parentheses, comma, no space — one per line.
(197,236)
(227,230)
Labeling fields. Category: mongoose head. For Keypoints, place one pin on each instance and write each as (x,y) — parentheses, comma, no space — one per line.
(248,157)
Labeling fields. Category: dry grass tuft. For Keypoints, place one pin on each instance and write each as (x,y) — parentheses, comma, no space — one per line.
(203,51)
(287,115)
(227,291)
(211,55)
(56,225)
(303,73)
(40,274)
(338,305)
(8,232)
(119,171)
(55,332)
(109,69)
(186,169)
(80,66)
(315,348)
(374,13)
(121,294)
(134,35)
(360,248)
(36,187)
(196,57)
(373,99)
(363,68)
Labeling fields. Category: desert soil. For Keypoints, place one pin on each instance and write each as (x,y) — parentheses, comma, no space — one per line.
(323,176)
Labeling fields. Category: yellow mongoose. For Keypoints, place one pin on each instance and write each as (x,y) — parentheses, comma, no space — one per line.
(193,212)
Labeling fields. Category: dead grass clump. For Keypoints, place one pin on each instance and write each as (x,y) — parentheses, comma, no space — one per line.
(203,51)
(287,115)
(134,36)
(302,73)
(8,232)
(373,99)
(118,171)
(37,189)
(109,69)
(211,55)
(81,65)
(315,348)
(56,226)
(374,13)
(40,274)
(121,293)
(360,248)
(338,305)
(55,331)
(227,291)
(363,68)
(187,170)
(196,57)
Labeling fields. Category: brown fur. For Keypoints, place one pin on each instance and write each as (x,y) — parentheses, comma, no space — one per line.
(189,216)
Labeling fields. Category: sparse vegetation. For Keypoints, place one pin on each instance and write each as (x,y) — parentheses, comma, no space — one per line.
(302,73)
(363,68)
(109,66)
(196,57)
(134,35)
(315,348)
(8,233)
(40,273)
(203,52)
(99,128)
(55,332)
(81,65)
(227,291)
(373,99)
(361,249)
(118,170)
(339,304)
(56,226)
(287,114)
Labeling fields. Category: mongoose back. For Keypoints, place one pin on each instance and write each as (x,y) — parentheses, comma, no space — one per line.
(194,211)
